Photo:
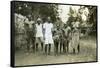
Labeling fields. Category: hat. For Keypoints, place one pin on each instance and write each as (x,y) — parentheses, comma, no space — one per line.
(39,19)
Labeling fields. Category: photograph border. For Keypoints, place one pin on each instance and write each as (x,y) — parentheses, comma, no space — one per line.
(12,35)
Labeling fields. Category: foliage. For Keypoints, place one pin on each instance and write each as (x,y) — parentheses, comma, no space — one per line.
(35,10)
(91,22)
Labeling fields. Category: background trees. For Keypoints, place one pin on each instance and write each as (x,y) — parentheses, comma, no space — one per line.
(35,10)
(90,24)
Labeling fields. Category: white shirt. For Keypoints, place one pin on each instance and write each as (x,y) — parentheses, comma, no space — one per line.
(48,28)
(39,32)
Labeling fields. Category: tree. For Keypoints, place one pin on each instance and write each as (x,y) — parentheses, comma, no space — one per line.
(71,17)
(36,10)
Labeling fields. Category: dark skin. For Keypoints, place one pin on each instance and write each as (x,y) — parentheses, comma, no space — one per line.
(39,38)
(30,37)
(48,46)
(56,41)
(38,22)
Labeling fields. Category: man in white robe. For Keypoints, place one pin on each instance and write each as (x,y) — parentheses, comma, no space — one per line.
(48,35)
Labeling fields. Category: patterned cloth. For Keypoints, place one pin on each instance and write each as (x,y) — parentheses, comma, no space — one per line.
(75,38)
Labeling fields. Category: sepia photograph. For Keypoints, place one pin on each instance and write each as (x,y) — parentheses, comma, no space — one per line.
(52,33)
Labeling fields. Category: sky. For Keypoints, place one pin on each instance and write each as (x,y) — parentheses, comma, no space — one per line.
(64,10)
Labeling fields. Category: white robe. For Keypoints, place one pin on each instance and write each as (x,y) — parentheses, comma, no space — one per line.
(48,33)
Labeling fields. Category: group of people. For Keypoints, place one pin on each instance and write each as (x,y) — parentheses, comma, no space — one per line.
(39,33)
(46,35)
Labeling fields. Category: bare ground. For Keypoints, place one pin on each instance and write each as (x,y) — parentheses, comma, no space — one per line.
(87,54)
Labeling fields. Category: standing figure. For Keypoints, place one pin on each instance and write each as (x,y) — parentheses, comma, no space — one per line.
(39,34)
(56,38)
(75,40)
(67,32)
(30,33)
(64,39)
(48,26)
(75,37)
(61,38)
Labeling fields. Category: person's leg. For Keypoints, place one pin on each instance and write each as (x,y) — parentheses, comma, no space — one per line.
(61,45)
(57,44)
(28,44)
(33,44)
(37,43)
(42,46)
(73,50)
(50,42)
(28,47)
(41,40)
(46,48)
(78,48)
(49,50)
(64,47)
(67,45)
(54,47)
(36,46)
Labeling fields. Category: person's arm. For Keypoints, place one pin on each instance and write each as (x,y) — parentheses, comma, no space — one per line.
(35,28)
(52,28)
(44,30)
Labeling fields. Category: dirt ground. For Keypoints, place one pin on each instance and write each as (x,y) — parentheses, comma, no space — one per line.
(87,53)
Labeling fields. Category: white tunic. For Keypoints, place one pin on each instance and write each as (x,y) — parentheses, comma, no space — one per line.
(48,33)
(39,32)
